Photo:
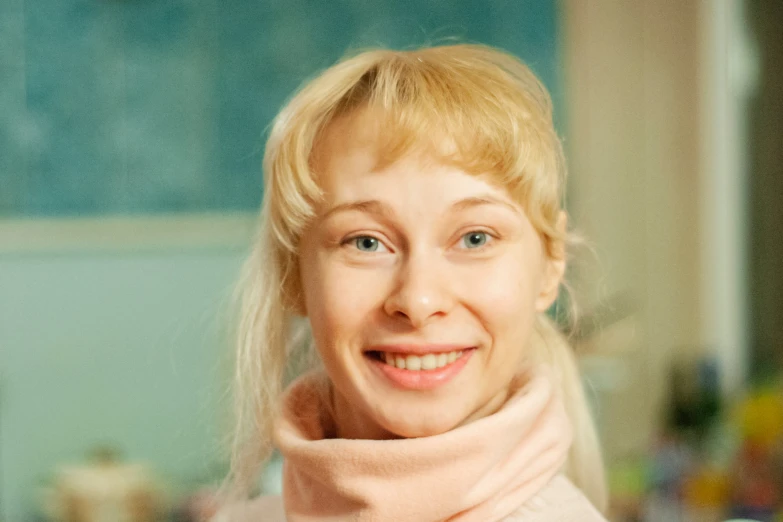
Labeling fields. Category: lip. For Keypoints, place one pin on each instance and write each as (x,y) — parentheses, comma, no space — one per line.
(418,349)
(422,379)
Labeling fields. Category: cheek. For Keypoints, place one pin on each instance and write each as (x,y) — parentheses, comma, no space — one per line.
(340,300)
(507,287)
(503,297)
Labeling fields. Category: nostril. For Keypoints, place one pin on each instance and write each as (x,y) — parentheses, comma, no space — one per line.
(400,314)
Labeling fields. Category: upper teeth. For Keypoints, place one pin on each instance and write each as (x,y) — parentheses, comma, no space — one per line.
(429,361)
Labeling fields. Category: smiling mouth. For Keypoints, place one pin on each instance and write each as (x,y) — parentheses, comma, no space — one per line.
(430,361)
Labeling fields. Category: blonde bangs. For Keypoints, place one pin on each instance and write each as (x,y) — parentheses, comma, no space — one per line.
(467,105)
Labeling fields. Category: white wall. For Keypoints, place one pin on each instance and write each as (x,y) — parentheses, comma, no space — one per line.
(633,90)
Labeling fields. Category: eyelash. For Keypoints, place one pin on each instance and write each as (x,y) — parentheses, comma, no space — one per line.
(491,238)
(351,241)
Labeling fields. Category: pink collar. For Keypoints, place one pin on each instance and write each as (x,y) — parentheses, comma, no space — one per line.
(483,471)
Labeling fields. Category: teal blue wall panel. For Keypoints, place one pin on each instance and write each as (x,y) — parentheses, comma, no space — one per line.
(139,106)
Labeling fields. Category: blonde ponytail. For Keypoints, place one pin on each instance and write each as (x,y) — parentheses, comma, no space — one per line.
(261,360)
(585,465)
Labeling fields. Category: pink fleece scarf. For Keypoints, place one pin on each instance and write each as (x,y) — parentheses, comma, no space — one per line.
(483,471)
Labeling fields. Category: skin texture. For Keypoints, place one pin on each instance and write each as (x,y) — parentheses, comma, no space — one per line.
(392,257)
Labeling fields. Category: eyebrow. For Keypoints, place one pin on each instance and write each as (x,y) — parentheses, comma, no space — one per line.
(486,199)
(373,206)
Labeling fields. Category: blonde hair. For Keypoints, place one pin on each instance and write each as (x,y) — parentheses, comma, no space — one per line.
(497,115)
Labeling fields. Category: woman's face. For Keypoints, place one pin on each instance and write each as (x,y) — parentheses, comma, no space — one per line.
(421,283)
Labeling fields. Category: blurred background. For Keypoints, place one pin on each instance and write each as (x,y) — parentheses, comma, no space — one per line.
(131,136)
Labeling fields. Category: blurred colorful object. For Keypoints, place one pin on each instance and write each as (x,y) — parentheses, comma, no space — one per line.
(761,417)
(713,461)
(105,490)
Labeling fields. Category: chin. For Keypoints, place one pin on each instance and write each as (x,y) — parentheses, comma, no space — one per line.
(423,423)
(414,432)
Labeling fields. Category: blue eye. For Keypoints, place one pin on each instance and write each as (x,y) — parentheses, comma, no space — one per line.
(474,239)
(366,243)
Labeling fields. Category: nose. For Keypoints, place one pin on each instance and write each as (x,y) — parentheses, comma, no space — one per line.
(422,292)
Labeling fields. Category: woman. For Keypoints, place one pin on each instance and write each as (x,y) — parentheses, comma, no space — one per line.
(412,218)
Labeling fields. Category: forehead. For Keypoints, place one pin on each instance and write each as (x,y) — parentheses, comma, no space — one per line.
(363,142)
(348,140)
